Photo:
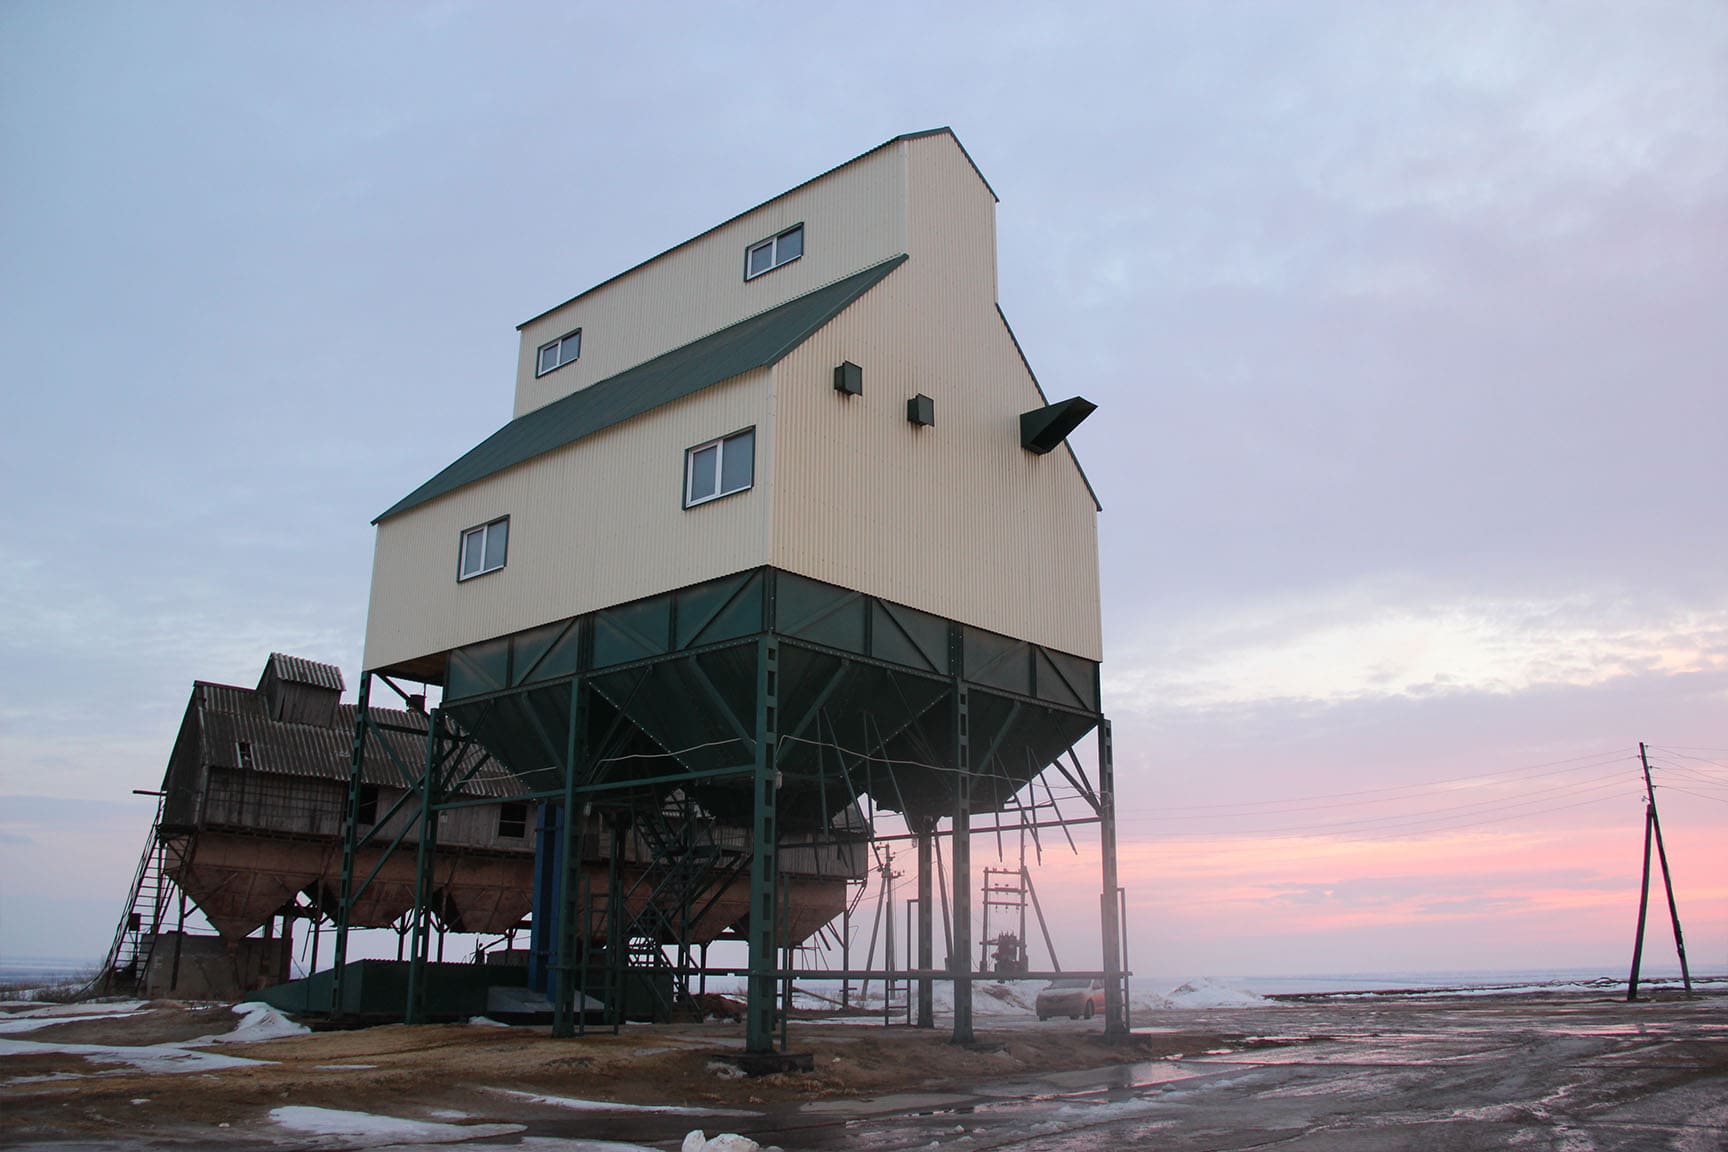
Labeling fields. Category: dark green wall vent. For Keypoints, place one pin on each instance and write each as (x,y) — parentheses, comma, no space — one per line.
(849,378)
(921,410)
(1043,428)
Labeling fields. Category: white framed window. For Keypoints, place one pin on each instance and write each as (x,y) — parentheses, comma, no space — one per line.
(558,353)
(484,548)
(769,254)
(720,467)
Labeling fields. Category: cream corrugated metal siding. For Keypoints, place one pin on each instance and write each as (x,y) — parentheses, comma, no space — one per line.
(957,518)
(852,218)
(595,523)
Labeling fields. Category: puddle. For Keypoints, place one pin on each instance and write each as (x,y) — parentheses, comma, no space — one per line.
(880,1105)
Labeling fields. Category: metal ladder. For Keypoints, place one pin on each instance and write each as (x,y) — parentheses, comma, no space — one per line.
(896,1000)
(128,960)
(684,869)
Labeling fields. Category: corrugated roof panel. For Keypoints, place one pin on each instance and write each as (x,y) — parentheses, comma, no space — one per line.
(298,670)
(757,342)
(233,716)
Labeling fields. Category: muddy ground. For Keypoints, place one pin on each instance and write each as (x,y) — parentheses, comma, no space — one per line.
(415,1071)
(1308,1072)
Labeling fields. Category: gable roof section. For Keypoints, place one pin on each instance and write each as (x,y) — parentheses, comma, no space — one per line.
(758,342)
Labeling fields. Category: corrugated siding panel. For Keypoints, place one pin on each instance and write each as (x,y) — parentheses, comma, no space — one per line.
(957,518)
(852,219)
(592,524)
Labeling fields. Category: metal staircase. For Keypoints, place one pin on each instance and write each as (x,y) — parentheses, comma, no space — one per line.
(140,926)
(687,871)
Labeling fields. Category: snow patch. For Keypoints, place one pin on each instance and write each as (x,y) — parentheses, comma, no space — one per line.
(695,1141)
(257,1022)
(550,1144)
(39,1018)
(366,1129)
(155,1058)
(1204,992)
(999,1000)
(580,1105)
(88,1008)
(487,1022)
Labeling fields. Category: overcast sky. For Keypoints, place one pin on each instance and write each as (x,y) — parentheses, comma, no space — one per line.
(1405,321)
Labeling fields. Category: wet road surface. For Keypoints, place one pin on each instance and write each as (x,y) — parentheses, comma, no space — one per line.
(1568,1074)
(1578,1076)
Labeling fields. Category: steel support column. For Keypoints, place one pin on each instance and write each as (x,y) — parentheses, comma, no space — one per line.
(1115,1004)
(571,916)
(350,839)
(617,943)
(960,959)
(416,1013)
(925,831)
(759,1009)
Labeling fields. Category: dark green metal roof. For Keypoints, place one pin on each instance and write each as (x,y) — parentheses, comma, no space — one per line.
(758,342)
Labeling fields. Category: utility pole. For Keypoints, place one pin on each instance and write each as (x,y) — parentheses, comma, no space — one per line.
(1653,832)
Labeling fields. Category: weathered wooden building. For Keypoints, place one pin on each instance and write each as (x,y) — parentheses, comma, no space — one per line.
(256,793)
(250,832)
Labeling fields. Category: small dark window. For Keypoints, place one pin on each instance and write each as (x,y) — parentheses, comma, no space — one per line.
(558,353)
(921,410)
(512,821)
(769,254)
(368,803)
(244,748)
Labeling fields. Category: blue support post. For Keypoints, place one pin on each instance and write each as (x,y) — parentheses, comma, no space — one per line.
(543,942)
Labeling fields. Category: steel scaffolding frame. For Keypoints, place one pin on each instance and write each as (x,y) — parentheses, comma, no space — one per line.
(773,772)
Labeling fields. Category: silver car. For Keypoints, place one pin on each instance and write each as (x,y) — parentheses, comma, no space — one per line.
(1074,997)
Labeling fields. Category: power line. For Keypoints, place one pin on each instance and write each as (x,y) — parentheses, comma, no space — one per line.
(1700,759)
(1603,757)
(1413,819)
(1696,777)
(1700,795)
(1378,836)
(1179,814)
(1570,786)
(1480,823)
